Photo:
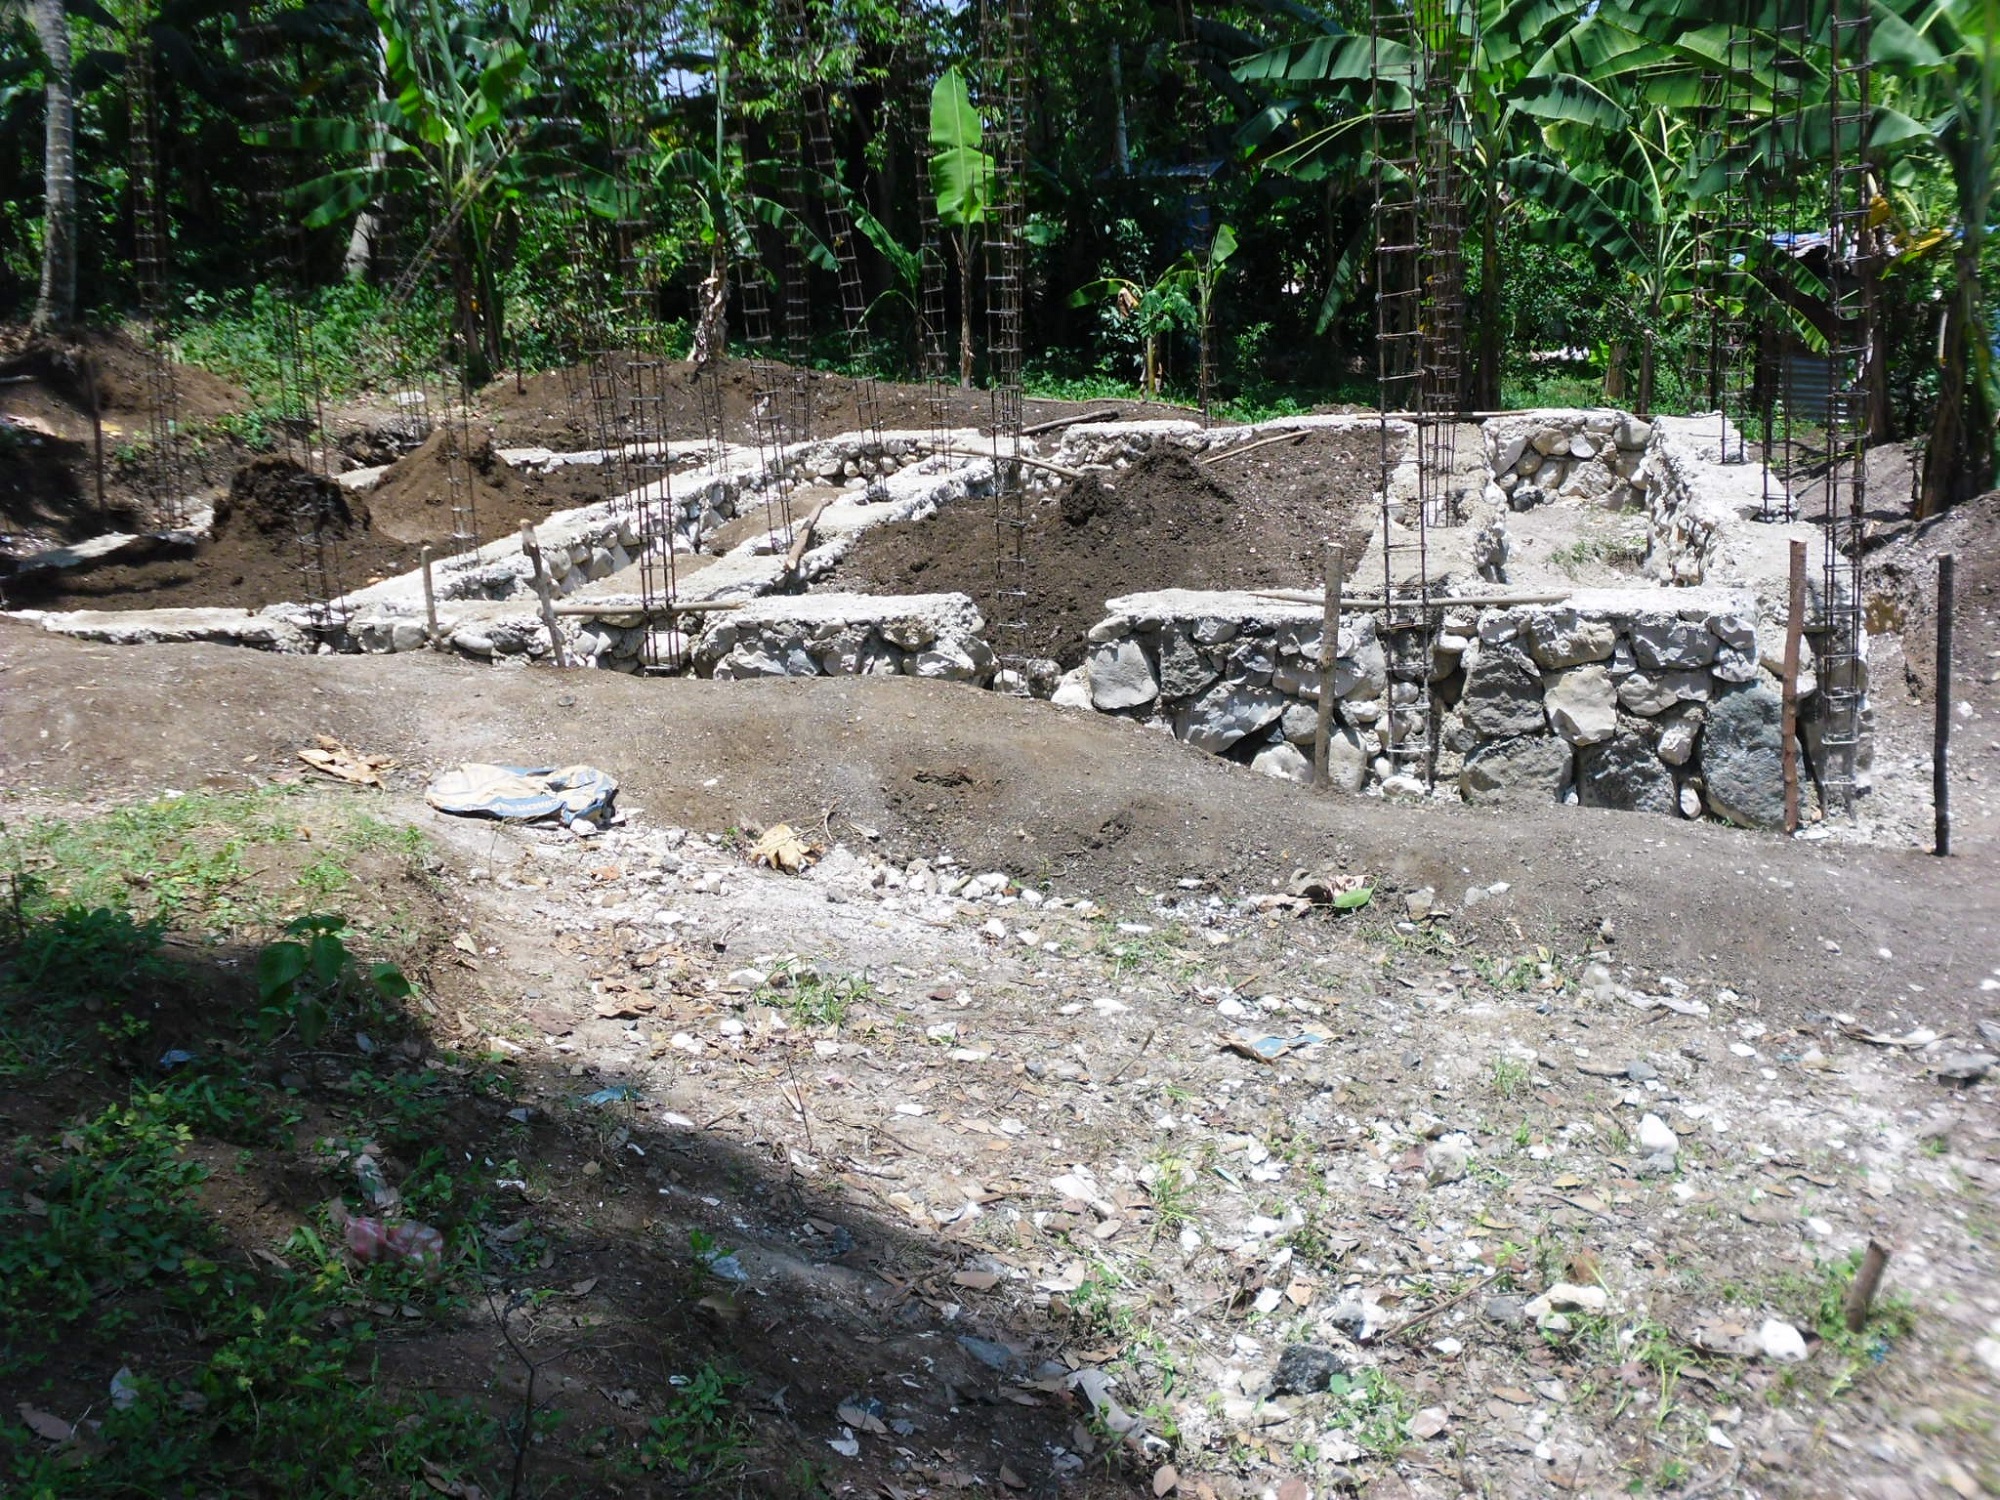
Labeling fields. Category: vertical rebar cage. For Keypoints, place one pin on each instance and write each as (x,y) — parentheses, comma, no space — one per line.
(1849,341)
(164,473)
(1008,48)
(1418,53)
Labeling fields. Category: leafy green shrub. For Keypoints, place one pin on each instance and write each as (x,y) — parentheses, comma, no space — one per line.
(304,979)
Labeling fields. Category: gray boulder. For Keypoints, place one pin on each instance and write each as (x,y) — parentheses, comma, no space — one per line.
(1527,769)
(1651,693)
(1742,756)
(1184,670)
(1672,645)
(1503,694)
(1284,761)
(1624,773)
(1564,638)
(1226,713)
(1120,676)
(1582,705)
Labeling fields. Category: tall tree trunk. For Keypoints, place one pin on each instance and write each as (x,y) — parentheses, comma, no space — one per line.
(55,303)
(1958,461)
(1485,393)
(1121,143)
(368,223)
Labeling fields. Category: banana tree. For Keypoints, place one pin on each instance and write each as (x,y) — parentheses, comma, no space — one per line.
(1632,205)
(1504,109)
(963,182)
(453,131)
(1953,52)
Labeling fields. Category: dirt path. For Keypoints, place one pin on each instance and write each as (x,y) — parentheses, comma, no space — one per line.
(1088,800)
(979,1155)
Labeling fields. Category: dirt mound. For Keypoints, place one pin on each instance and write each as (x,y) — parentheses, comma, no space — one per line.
(1169,521)
(253,557)
(1906,575)
(554,408)
(413,502)
(277,498)
(64,369)
(49,436)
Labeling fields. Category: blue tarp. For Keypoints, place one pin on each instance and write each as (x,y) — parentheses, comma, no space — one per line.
(523,794)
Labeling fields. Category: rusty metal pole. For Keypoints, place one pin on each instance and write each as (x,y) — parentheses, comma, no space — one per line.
(1329,653)
(1794,626)
(1941,725)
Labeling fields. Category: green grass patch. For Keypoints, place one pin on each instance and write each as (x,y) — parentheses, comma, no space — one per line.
(186,861)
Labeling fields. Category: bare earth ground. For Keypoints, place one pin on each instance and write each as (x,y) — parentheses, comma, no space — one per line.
(1257,521)
(1019,1180)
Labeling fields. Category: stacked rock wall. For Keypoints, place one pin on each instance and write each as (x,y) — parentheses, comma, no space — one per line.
(1596,456)
(846,635)
(1642,699)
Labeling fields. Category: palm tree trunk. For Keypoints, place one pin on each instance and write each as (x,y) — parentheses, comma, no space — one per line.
(55,302)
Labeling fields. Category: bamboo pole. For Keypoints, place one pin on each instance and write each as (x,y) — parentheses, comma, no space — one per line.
(430,595)
(1861,1291)
(693,607)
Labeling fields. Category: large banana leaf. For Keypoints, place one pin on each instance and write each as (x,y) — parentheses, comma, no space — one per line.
(961,173)
(1324,59)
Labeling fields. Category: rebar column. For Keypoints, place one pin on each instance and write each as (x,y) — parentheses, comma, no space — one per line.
(1008,46)
(1850,306)
(164,472)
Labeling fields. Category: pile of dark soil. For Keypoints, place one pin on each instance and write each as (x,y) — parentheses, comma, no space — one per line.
(253,557)
(1903,598)
(413,501)
(56,394)
(1260,521)
(552,409)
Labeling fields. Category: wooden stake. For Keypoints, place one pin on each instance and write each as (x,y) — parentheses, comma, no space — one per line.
(96,428)
(1795,617)
(1861,1291)
(544,592)
(430,595)
(1941,725)
(803,538)
(1056,424)
(1329,653)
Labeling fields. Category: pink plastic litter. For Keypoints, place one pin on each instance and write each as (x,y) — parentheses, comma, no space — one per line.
(420,1245)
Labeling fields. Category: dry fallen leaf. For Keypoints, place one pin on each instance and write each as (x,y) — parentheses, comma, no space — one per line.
(331,758)
(975,1281)
(46,1424)
(860,1417)
(783,849)
(1166,1480)
(1012,1480)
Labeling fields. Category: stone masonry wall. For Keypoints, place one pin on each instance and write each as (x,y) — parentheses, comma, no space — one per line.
(1639,699)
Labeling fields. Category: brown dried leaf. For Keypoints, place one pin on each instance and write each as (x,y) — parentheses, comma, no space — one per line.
(46,1424)
(1166,1479)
